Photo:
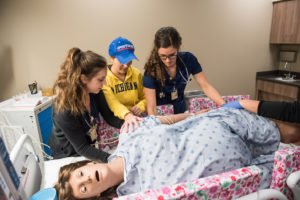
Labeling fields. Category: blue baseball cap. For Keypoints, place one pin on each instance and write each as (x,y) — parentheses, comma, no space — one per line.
(122,49)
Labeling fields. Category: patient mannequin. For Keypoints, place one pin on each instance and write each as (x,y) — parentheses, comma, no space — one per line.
(199,146)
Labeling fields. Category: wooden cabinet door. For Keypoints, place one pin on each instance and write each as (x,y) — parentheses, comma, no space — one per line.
(271,91)
(286,22)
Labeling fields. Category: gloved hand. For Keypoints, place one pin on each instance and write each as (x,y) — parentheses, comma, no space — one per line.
(234,104)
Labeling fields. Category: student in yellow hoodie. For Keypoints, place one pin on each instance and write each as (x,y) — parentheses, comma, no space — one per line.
(124,83)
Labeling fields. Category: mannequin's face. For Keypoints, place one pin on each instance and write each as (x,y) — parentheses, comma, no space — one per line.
(168,56)
(89,180)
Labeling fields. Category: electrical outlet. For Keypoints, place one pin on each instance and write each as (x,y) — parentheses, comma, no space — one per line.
(288,56)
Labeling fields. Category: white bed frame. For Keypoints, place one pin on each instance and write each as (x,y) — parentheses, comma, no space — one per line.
(26,163)
(293,183)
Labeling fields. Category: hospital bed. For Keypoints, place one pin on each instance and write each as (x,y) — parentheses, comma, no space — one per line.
(240,183)
(234,184)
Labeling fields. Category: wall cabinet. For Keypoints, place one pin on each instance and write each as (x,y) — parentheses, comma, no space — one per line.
(274,91)
(285,27)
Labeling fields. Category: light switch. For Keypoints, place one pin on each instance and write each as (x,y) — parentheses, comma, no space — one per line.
(288,56)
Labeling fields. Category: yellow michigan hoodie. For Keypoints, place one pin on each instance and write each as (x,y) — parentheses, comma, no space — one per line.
(121,96)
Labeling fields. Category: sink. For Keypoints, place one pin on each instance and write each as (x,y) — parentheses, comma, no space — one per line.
(286,80)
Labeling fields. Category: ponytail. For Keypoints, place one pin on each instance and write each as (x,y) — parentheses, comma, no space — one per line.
(71,91)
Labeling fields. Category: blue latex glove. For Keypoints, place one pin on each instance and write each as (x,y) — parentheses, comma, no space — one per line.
(234,104)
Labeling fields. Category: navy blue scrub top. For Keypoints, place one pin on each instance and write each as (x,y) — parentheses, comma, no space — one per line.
(186,64)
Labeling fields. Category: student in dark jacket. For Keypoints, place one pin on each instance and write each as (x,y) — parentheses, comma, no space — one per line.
(78,105)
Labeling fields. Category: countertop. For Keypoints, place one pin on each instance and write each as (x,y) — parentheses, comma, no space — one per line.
(273,76)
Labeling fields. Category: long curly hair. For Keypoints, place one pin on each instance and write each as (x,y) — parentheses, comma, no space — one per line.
(64,189)
(72,92)
(164,38)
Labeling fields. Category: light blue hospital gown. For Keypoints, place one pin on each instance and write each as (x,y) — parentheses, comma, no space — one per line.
(221,140)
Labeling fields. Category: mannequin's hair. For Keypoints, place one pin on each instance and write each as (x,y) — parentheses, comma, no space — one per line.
(64,189)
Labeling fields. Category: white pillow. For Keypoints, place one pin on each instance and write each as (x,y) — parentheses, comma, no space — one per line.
(51,169)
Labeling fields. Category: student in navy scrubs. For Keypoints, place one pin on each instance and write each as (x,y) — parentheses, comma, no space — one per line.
(168,71)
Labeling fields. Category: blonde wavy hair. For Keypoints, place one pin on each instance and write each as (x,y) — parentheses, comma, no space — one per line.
(164,38)
(71,90)
(64,189)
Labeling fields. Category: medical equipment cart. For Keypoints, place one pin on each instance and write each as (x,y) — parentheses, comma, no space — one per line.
(35,120)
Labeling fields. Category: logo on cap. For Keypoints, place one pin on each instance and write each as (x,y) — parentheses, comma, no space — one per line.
(125,46)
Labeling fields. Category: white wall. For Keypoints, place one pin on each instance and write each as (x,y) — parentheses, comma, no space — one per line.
(230,38)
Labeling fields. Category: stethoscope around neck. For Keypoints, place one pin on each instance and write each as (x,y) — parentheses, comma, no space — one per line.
(186,79)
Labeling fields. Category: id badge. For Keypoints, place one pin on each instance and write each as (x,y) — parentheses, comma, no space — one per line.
(93,133)
(174,95)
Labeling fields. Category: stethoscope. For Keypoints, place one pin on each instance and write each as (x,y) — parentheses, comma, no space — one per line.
(186,79)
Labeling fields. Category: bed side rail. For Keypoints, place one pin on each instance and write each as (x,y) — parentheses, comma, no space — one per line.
(229,185)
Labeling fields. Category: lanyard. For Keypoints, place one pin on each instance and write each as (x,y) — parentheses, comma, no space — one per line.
(186,79)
